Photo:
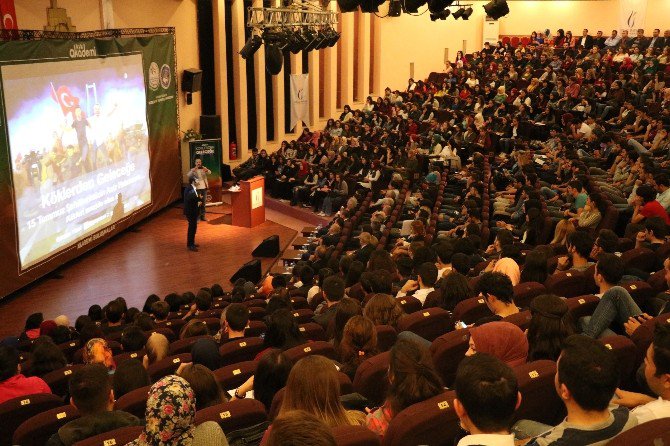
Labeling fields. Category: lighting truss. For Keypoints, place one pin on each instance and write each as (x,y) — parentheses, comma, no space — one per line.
(298,14)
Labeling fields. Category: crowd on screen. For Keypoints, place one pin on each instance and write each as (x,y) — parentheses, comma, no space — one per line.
(517,165)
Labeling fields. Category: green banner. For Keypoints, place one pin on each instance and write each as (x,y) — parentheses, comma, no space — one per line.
(88,145)
(209,151)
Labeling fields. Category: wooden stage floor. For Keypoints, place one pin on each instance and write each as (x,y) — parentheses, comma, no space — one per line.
(136,264)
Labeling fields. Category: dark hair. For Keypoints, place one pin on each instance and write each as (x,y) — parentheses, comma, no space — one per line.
(333,287)
(278,281)
(271,375)
(444,252)
(413,376)
(576,184)
(203,300)
(298,427)
(657,226)
(488,390)
(204,384)
(550,324)
(582,242)
(144,321)
(133,339)
(45,357)
(282,331)
(610,267)
(129,375)
(607,240)
(114,311)
(358,343)
(95,312)
(353,276)
(33,321)
(160,310)
(152,299)
(174,300)
(646,192)
(428,273)
(306,275)
(216,290)
(662,348)
(237,316)
(89,388)
(194,327)
(535,267)
(455,288)
(461,262)
(590,372)
(90,331)
(61,334)
(81,321)
(498,285)
(345,310)
(505,237)
(662,179)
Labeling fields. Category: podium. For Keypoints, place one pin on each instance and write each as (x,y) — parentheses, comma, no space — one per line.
(249,203)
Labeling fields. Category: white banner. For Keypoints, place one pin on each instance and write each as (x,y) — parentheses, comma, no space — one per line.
(632,15)
(299,99)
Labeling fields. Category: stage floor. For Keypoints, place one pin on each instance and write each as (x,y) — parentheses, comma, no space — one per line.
(152,260)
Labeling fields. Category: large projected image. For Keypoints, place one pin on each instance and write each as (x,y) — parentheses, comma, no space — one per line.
(78,141)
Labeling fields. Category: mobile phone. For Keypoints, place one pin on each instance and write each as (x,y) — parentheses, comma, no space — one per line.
(462,324)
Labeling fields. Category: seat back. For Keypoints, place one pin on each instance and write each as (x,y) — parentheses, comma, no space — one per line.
(119,436)
(566,283)
(447,352)
(639,258)
(582,305)
(429,323)
(355,436)
(313,332)
(134,402)
(58,380)
(173,324)
(539,400)
(35,431)
(69,348)
(641,292)
(470,310)
(524,293)
(303,315)
(410,304)
(322,348)
(167,366)
(651,433)
(17,410)
(432,422)
(644,335)
(184,345)
(244,349)
(386,337)
(520,319)
(232,376)
(213,323)
(626,354)
(255,329)
(233,415)
(371,379)
(118,359)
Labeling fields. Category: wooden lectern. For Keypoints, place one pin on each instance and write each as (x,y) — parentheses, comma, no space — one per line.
(249,203)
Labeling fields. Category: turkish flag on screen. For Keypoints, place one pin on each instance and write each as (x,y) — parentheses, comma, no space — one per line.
(67,101)
(8,13)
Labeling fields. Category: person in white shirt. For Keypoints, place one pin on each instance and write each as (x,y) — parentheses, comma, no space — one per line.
(423,286)
(613,40)
(657,374)
(487,395)
(663,188)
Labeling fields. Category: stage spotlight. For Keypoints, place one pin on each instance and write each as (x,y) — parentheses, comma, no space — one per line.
(312,40)
(371,6)
(496,9)
(348,5)
(466,15)
(441,15)
(250,47)
(458,14)
(395,9)
(324,39)
(437,6)
(333,39)
(273,59)
(412,6)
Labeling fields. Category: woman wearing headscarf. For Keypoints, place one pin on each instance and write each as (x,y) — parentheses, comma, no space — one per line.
(170,418)
(510,268)
(97,351)
(501,339)
(47,327)
(32,327)
(206,352)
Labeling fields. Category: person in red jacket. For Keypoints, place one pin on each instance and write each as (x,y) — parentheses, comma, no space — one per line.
(12,382)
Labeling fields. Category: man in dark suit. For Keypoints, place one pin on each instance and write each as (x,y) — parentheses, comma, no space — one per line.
(586,41)
(640,40)
(363,254)
(657,42)
(191,211)
(599,40)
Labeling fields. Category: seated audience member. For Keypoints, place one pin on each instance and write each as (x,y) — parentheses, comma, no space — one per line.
(508,267)
(383,309)
(657,376)
(346,309)
(501,339)
(205,351)
(31,329)
(586,379)
(487,395)
(114,312)
(193,328)
(647,206)
(203,382)
(333,291)
(535,267)
(12,382)
(550,324)
(271,376)
(91,393)
(166,426)
(498,293)
(297,428)
(62,321)
(97,351)
(234,320)
(616,304)
(130,375)
(359,343)
(151,299)
(133,339)
(160,311)
(157,348)
(424,285)
(454,288)
(47,328)
(45,357)
(652,236)
(412,379)
(282,332)
(579,246)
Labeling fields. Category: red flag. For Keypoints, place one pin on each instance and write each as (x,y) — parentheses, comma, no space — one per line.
(8,13)
(64,98)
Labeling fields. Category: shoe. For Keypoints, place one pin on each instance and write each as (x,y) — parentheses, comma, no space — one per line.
(193,248)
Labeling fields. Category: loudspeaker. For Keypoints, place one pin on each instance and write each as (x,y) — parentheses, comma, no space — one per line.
(210,126)
(250,271)
(268,247)
(191,80)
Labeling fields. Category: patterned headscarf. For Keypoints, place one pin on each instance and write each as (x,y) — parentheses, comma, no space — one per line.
(170,414)
(97,351)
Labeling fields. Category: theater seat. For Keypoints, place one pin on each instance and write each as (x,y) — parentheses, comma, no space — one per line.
(244,349)
(409,304)
(173,324)
(17,410)
(256,313)
(371,379)
(118,359)
(566,283)
(311,348)
(36,430)
(213,324)
(447,351)
(582,306)
(386,337)
(626,355)
(651,433)
(304,315)
(639,258)
(644,335)
(116,437)
(641,292)
(313,331)
(432,422)
(58,380)
(524,293)
(355,436)
(521,319)
(134,402)
(470,310)
(299,302)
(428,323)
(233,415)
(167,366)
(184,345)
(539,400)
(255,329)
(234,375)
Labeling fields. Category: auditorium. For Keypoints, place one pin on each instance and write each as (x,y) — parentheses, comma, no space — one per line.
(334,222)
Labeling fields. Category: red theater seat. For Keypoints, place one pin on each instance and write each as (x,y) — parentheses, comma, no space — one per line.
(36,430)
(17,410)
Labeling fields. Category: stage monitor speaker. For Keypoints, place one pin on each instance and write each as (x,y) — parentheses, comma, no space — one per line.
(250,271)
(191,80)
(268,247)
(210,126)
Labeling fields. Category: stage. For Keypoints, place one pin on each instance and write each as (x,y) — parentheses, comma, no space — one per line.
(150,258)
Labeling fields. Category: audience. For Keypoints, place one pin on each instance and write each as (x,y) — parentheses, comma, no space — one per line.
(502,340)
(298,428)
(12,382)
(130,375)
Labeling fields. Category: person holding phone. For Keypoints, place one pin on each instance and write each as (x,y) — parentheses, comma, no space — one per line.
(200,172)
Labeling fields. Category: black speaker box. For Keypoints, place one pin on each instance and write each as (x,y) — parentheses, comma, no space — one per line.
(268,247)
(191,80)
(210,126)
(250,271)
